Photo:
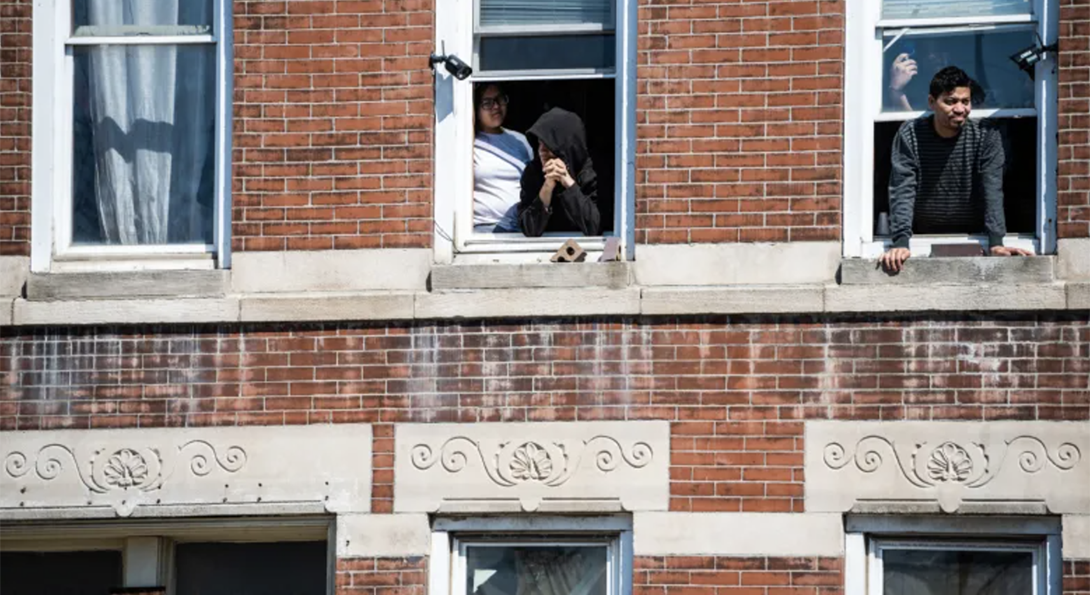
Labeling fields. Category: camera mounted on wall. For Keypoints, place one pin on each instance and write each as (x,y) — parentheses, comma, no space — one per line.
(454,65)
(1028,58)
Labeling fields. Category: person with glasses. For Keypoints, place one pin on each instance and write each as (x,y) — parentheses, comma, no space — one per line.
(499,158)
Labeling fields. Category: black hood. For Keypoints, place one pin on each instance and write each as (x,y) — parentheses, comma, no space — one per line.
(563,132)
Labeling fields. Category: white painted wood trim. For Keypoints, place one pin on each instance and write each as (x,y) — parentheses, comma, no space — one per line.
(44,71)
(855,564)
(955,21)
(142,40)
(439,564)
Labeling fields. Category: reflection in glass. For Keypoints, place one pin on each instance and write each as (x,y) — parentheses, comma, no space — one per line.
(553,52)
(943,9)
(985,57)
(60,573)
(536,570)
(496,13)
(143,156)
(931,572)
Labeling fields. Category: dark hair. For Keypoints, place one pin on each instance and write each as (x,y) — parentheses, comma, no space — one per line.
(948,79)
(478,92)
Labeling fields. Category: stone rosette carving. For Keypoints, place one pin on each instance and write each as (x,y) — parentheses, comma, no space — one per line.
(128,469)
(473,467)
(948,462)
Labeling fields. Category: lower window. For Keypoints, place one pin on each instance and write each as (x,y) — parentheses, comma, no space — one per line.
(60,573)
(527,568)
(956,568)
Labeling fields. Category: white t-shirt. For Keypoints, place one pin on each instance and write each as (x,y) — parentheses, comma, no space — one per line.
(498,161)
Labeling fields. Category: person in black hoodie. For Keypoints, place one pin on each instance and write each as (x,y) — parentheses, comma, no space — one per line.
(559,187)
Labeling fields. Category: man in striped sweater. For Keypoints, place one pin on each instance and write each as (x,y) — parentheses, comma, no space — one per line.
(947,174)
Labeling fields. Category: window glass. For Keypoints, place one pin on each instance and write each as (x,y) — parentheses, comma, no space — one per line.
(934,9)
(974,572)
(984,56)
(294,568)
(143,157)
(106,13)
(1019,173)
(498,13)
(60,573)
(536,570)
(552,52)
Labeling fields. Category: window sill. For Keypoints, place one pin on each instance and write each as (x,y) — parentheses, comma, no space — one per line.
(135,284)
(1027,270)
(612,275)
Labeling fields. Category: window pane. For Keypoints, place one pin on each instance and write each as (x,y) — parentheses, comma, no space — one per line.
(105,13)
(1019,174)
(143,157)
(930,572)
(59,573)
(295,568)
(533,570)
(985,57)
(498,13)
(940,9)
(555,52)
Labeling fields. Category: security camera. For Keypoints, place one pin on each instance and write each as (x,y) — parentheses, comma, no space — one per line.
(454,65)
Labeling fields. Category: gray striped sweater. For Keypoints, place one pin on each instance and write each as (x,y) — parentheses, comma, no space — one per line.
(946,185)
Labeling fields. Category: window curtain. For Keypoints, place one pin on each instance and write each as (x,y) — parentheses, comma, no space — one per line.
(150,111)
(957,573)
(560,572)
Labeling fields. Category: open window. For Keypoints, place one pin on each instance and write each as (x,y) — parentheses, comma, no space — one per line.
(577,55)
(1019,101)
(131,134)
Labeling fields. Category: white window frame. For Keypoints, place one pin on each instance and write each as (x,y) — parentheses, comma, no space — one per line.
(450,537)
(866,537)
(453,168)
(863,107)
(51,160)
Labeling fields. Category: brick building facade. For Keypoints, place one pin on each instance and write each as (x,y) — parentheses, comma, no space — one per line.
(741,405)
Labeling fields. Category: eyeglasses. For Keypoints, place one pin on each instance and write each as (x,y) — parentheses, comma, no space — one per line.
(494,102)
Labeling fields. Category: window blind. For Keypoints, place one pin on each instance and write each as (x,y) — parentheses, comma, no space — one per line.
(506,13)
(929,9)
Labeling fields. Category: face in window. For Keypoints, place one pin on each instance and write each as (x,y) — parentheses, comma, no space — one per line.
(951,109)
(544,152)
(491,109)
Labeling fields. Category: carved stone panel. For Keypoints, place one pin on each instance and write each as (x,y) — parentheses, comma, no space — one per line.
(325,466)
(561,466)
(954,464)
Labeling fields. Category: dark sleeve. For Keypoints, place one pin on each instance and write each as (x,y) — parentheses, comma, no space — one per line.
(533,216)
(991,183)
(903,178)
(581,202)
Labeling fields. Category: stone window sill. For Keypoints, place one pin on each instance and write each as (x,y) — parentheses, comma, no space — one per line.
(1030,270)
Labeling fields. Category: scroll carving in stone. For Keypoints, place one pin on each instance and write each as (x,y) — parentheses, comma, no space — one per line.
(585,465)
(127,469)
(950,463)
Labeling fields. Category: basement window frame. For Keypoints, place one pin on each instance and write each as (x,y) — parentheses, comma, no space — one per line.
(866,33)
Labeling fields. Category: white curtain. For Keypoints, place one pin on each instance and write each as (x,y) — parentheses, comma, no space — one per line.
(574,571)
(151,114)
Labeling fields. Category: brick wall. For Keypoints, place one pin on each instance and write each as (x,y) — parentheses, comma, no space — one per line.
(1076,577)
(712,575)
(15,46)
(736,390)
(382,576)
(1074,160)
(739,121)
(332,129)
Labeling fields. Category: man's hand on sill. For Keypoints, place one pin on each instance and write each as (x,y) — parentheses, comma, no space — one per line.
(893,260)
(1009,251)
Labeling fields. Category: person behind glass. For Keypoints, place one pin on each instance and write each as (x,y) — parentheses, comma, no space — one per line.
(499,158)
(559,187)
(947,173)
